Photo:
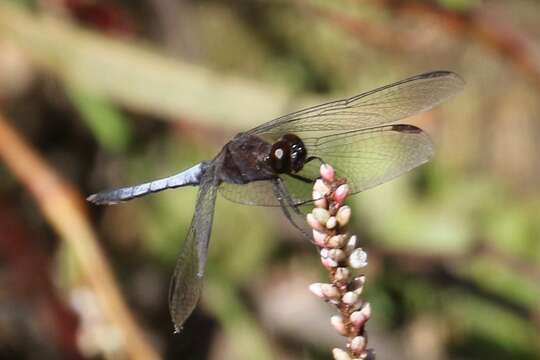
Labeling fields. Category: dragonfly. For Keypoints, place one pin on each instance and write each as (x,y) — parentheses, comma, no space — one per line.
(276,164)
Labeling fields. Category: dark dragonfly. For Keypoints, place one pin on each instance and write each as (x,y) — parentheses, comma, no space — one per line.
(275,163)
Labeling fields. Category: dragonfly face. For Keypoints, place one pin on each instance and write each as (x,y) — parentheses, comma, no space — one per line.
(271,165)
(287,155)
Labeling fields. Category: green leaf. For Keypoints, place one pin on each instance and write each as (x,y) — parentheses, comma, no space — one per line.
(110,127)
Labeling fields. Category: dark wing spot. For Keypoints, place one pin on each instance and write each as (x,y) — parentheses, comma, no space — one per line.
(404,128)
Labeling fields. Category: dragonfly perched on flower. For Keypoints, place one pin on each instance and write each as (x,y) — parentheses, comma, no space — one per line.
(276,163)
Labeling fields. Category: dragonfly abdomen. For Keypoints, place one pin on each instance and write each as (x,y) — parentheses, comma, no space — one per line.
(187,177)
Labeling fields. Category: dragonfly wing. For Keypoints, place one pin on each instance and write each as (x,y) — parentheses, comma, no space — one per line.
(262,193)
(259,193)
(186,283)
(295,213)
(374,108)
(367,158)
(370,157)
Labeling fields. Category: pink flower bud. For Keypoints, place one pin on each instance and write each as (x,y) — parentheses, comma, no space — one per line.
(331,222)
(330,291)
(351,244)
(316,289)
(313,222)
(319,238)
(329,263)
(340,354)
(322,215)
(337,323)
(327,173)
(358,344)
(327,260)
(341,193)
(315,195)
(321,203)
(321,187)
(343,215)
(337,254)
(358,318)
(358,259)
(350,298)
(336,241)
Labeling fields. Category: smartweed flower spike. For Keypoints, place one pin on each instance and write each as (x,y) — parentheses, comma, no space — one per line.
(340,255)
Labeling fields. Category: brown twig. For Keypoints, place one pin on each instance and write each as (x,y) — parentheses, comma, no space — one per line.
(64,208)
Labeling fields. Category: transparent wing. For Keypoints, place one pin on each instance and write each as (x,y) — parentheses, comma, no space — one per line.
(371,157)
(301,191)
(369,152)
(292,212)
(262,193)
(374,108)
(258,193)
(186,282)
(366,158)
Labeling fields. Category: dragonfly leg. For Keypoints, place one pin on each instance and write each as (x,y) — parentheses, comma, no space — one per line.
(295,217)
(311,158)
(302,178)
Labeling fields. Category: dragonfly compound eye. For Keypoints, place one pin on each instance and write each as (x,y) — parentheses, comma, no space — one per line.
(298,152)
(280,157)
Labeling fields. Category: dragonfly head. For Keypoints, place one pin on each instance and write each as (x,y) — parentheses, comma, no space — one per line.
(288,154)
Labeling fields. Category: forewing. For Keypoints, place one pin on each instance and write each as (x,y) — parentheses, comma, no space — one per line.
(186,282)
(367,158)
(258,193)
(301,191)
(374,108)
(262,193)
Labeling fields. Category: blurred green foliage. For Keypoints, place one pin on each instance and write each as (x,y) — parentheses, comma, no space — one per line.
(110,127)
(457,241)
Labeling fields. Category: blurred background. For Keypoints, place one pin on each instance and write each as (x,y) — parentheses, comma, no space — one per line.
(97,94)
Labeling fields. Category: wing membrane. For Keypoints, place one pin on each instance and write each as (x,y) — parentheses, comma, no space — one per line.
(186,282)
(350,135)
(261,193)
(366,158)
(371,157)
(254,193)
(374,108)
